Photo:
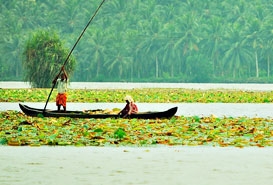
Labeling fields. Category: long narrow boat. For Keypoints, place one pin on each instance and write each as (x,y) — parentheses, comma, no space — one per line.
(80,114)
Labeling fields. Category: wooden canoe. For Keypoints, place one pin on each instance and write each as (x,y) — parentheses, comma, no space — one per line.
(80,114)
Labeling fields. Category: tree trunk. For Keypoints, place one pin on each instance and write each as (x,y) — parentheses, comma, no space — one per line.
(156,67)
(268,67)
(257,64)
(98,69)
(131,73)
(172,73)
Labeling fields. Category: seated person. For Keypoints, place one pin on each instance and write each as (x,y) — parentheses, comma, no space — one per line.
(130,108)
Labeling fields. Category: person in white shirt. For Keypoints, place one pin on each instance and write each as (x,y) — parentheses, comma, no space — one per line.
(62,89)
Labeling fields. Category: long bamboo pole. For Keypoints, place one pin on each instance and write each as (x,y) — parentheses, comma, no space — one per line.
(72,51)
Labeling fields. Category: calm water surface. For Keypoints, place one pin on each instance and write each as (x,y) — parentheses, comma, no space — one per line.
(120,85)
(187,109)
(135,166)
(142,165)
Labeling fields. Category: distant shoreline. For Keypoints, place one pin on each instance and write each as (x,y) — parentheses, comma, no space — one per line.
(131,85)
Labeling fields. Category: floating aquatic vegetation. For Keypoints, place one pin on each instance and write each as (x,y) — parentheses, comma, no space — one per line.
(17,129)
(140,95)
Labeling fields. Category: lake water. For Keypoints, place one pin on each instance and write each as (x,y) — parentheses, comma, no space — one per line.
(186,109)
(135,165)
(142,165)
(123,85)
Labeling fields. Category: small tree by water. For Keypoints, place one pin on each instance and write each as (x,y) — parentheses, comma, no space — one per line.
(43,58)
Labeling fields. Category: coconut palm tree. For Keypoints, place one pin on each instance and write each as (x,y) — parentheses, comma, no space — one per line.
(238,54)
(211,43)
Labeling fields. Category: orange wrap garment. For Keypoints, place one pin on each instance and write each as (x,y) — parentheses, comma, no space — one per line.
(61,99)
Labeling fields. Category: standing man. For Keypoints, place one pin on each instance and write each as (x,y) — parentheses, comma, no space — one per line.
(62,88)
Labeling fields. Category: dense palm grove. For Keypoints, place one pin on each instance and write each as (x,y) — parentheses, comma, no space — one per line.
(147,40)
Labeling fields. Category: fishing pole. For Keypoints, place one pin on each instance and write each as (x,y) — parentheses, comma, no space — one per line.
(72,51)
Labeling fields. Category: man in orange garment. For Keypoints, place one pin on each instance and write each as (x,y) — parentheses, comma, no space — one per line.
(62,88)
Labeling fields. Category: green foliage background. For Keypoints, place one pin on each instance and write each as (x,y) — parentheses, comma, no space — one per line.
(155,40)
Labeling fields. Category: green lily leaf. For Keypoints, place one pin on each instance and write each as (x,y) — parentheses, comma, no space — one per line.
(120,133)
